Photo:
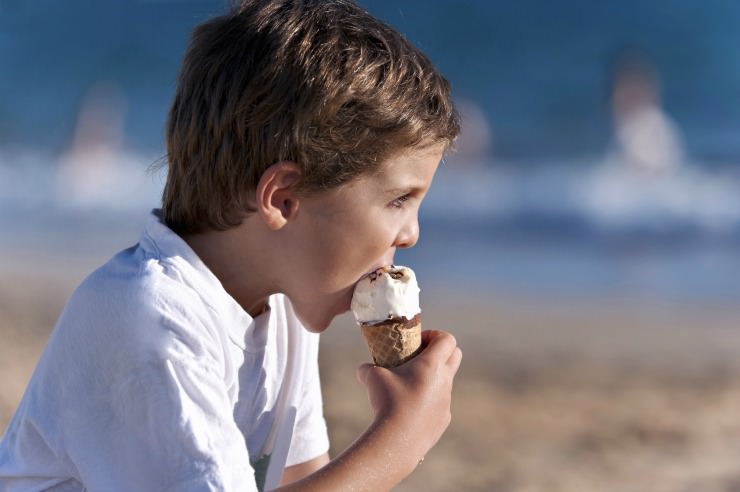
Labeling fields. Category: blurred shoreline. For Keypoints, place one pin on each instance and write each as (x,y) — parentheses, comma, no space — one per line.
(579,230)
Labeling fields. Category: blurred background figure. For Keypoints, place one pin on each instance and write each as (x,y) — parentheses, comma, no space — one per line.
(646,138)
(88,169)
(474,147)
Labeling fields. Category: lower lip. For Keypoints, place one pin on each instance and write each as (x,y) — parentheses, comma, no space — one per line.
(376,268)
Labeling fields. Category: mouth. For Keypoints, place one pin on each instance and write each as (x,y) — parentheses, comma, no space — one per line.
(370,272)
(380,265)
(367,274)
(384,262)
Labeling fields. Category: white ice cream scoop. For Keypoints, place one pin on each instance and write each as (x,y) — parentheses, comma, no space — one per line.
(387,293)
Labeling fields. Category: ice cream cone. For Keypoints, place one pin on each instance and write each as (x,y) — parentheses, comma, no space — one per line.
(393,342)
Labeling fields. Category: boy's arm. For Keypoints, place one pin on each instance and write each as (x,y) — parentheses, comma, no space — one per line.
(412,410)
(296,472)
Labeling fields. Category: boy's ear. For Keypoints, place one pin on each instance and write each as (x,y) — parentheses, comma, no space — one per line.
(276,196)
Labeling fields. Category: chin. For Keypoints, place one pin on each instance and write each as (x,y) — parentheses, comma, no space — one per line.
(318,322)
(315,325)
(316,316)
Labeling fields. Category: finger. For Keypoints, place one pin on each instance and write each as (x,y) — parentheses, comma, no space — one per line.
(455,359)
(440,344)
(427,335)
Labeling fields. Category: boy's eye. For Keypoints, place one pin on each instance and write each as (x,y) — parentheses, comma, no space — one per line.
(398,202)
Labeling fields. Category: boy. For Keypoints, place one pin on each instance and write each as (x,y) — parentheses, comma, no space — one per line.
(301,141)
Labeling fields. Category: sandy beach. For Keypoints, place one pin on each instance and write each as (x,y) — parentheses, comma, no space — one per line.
(553,394)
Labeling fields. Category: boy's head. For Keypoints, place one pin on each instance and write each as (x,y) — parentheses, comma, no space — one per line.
(320,83)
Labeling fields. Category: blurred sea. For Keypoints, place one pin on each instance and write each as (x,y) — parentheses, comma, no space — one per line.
(535,202)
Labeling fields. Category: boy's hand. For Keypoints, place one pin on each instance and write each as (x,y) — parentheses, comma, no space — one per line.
(414,398)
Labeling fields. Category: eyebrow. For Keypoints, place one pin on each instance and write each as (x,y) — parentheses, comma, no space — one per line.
(403,190)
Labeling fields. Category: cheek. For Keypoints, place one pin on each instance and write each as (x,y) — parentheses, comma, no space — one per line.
(344,250)
(354,255)
(370,249)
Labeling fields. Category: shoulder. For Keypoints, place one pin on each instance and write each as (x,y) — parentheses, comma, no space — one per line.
(140,307)
(130,285)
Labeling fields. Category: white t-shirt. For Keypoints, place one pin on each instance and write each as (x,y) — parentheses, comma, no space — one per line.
(155,379)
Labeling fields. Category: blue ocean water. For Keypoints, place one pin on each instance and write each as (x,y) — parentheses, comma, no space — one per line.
(534,202)
(537,70)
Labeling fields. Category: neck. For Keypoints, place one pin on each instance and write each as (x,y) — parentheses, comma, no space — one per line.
(234,256)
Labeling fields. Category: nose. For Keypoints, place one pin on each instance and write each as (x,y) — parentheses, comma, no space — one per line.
(409,234)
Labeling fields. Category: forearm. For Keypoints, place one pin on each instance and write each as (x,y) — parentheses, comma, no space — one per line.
(377,461)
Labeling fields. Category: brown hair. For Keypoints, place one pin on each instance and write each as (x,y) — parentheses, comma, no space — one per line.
(318,82)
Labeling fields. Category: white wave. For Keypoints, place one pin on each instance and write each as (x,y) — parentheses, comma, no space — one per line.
(607,197)
(90,181)
(710,201)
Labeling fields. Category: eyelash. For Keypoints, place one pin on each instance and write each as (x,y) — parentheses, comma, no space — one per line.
(398,202)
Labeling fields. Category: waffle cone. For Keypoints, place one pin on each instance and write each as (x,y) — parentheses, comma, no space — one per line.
(393,342)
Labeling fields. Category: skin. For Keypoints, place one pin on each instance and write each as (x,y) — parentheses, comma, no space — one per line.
(313,248)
